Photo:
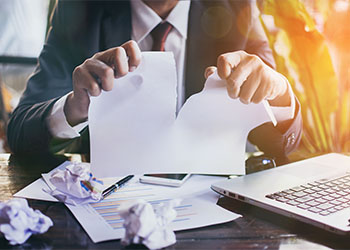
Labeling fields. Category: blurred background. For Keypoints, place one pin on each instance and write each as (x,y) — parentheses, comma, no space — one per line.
(310,42)
(23,28)
(309,39)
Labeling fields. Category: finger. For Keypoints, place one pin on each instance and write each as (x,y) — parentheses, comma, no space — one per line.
(84,82)
(115,58)
(249,88)
(102,72)
(226,62)
(231,91)
(238,76)
(263,91)
(271,93)
(279,85)
(209,71)
(260,95)
(134,54)
(121,65)
(273,86)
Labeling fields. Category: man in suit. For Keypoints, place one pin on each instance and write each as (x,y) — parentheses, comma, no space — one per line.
(93,42)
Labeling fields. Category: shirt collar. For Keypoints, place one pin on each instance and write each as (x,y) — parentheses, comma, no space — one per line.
(144,19)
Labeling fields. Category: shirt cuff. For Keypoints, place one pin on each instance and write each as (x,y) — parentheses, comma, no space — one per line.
(285,113)
(57,122)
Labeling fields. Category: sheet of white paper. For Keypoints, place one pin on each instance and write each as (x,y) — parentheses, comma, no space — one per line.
(141,106)
(35,191)
(209,134)
(133,128)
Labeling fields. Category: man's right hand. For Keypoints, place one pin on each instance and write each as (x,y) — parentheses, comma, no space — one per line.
(98,73)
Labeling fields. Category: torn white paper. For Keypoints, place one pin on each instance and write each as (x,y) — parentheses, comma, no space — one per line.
(74,184)
(18,221)
(133,128)
(126,121)
(147,225)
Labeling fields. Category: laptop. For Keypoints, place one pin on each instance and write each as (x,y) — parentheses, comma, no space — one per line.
(315,191)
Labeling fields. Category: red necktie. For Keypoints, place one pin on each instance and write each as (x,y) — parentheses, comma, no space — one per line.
(159,35)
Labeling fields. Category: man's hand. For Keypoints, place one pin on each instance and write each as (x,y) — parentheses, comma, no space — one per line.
(98,73)
(250,79)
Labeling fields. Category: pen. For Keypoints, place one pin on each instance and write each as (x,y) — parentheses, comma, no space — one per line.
(116,185)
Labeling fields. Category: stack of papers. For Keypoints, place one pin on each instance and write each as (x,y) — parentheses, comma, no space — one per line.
(102,222)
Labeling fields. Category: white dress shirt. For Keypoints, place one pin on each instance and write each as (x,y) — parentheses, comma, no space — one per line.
(144,19)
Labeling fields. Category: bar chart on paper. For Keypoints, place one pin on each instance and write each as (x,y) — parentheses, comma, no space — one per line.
(101,220)
(108,208)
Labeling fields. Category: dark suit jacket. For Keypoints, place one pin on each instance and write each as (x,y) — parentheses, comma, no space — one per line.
(82,28)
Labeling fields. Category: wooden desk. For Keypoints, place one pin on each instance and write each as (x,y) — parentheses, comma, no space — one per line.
(257,229)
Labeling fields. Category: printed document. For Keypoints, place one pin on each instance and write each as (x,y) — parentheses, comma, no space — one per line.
(101,219)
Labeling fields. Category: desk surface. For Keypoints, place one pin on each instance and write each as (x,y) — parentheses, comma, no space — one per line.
(257,229)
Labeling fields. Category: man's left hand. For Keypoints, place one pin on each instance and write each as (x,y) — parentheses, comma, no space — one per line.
(250,79)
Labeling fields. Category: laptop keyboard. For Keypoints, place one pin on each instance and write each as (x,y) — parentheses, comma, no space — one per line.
(324,197)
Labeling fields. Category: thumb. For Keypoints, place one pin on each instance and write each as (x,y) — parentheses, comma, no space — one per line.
(209,71)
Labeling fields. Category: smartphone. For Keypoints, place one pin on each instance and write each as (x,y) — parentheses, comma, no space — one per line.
(174,180)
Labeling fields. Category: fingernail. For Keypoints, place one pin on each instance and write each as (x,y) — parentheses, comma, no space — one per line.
(244,101)
(132,68)
(232,96)
(229,91)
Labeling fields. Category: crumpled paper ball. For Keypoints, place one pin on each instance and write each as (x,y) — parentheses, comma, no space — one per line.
(76,184)
(18,221)
(147,225)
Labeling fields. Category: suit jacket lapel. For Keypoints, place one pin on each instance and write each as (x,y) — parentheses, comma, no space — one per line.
(116,24)
(196,47)
(203,43)
(202,49)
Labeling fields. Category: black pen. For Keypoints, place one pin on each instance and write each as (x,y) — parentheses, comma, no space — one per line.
(116,185)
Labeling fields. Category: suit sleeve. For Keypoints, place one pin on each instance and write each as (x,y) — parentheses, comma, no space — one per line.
(277,141)
(28,131)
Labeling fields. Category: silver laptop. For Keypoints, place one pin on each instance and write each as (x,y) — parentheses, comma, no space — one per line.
(315,191)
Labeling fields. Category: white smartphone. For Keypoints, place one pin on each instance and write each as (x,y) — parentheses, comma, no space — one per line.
(174,180)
